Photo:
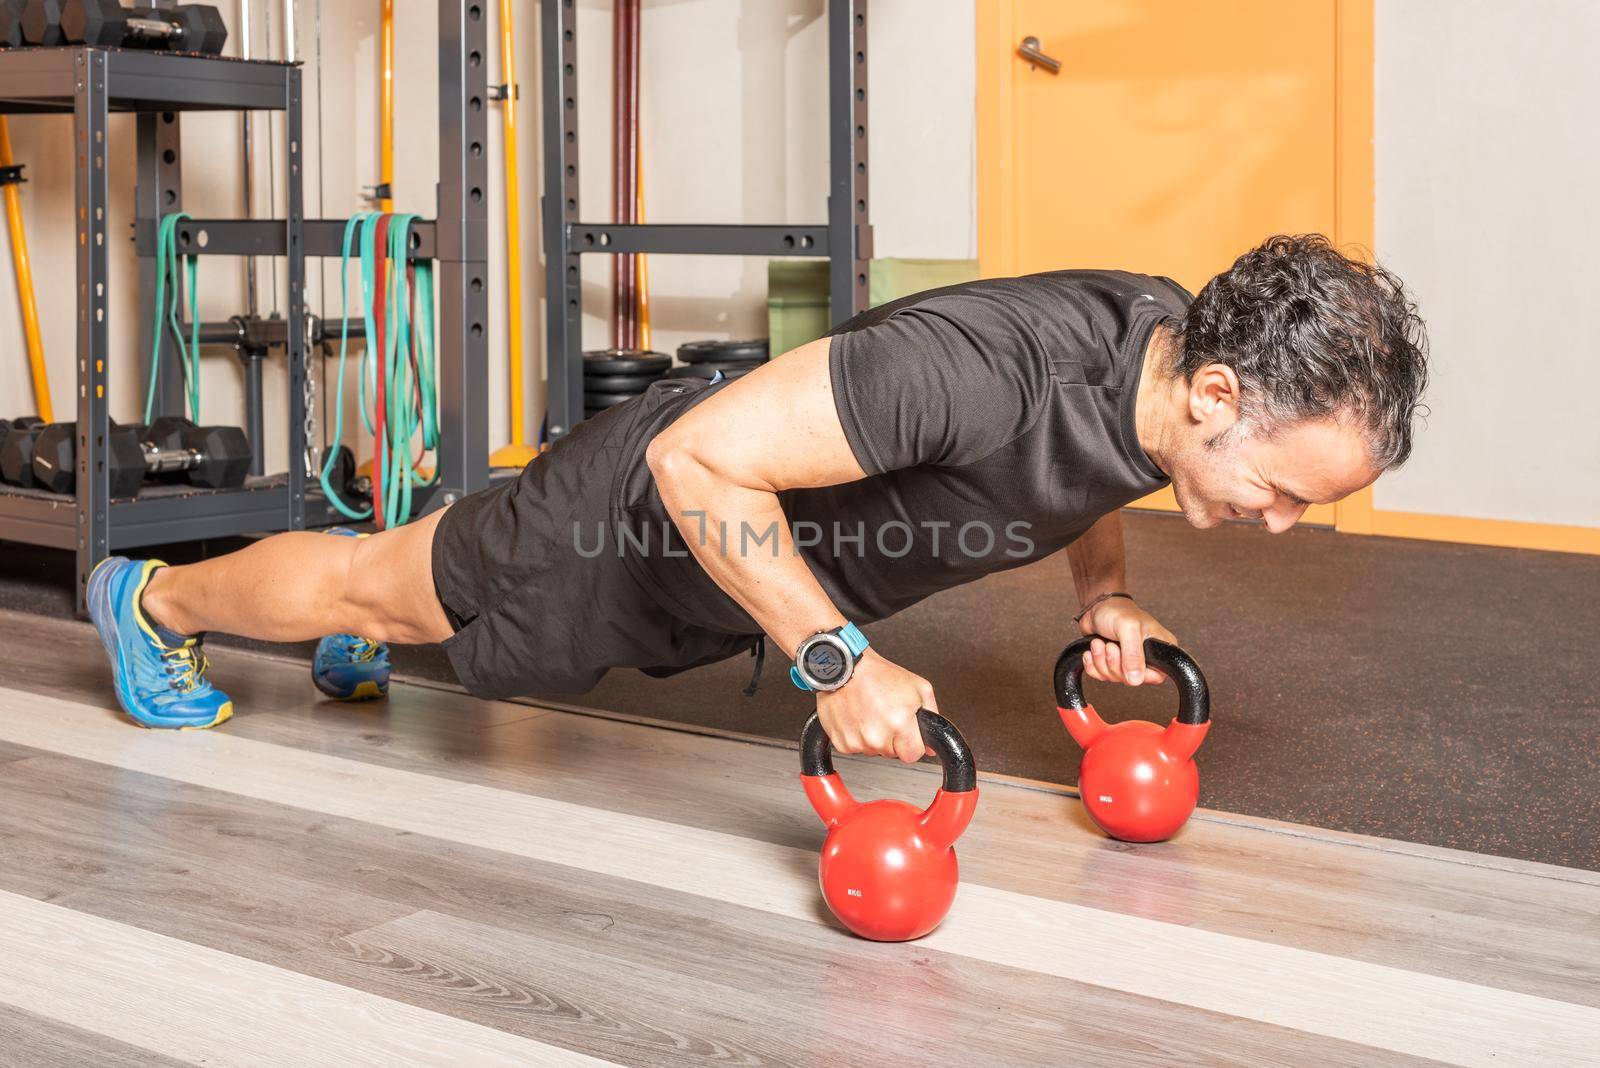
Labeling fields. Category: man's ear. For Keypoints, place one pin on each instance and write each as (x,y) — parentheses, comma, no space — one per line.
(1214,398)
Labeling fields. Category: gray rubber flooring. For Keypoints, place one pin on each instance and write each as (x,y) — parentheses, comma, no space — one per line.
(1432,693)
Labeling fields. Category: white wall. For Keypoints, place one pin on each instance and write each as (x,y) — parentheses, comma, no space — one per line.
(735,127)
(734,122)
(1488,167)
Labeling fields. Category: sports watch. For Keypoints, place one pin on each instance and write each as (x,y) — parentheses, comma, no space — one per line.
(827,659)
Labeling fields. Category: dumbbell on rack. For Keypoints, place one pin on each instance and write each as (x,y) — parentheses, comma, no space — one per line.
(16,449)
(107,24)
(213,457)
(11,23)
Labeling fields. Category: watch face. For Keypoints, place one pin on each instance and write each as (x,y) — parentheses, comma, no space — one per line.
(826,663)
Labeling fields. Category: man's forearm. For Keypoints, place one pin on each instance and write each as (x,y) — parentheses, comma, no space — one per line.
(1099,561)
(741,537)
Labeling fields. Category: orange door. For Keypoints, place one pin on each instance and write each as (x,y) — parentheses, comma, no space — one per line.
(1175,135)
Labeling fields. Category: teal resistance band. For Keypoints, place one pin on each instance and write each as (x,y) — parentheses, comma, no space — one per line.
(408,374)
(357,222)
(166,315)
(410,382)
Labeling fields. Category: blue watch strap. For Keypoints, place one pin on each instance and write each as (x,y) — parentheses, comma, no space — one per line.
(854,640)
(794,677)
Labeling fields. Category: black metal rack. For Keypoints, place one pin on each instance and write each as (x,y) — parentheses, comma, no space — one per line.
(90,83)
(845,240)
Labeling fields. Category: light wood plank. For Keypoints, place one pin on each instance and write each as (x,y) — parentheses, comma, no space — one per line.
(39,1042)
(611,967)
(72,967)
(1338,998)
(124,846)
(846,1006)
(9,753)
(1437,912)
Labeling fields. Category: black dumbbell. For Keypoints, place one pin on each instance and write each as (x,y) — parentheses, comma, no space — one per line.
(11,22)
(167,433)
(41,22)
(55,458)
(215,457)
(16,450)
(106,23)
(185,28)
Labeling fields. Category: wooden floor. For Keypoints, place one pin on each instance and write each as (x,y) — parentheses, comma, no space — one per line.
(436,880)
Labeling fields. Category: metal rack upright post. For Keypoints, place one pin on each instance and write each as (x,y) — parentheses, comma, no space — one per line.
(90,84)
(845,240)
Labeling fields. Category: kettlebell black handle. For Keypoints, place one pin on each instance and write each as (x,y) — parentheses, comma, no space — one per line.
(1194,699)
(938,734)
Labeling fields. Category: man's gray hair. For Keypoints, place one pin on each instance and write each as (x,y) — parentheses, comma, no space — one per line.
(1312,333)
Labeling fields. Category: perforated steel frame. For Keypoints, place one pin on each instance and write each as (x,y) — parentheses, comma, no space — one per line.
(90,84)
(845,240)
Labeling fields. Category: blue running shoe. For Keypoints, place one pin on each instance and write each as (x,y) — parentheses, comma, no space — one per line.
(348,667)
(160,683)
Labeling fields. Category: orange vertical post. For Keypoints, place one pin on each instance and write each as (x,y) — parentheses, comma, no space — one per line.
(386,107)
(642,292)
(517,453)
(25,295)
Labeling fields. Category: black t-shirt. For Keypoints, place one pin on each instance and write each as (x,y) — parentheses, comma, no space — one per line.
(994,420)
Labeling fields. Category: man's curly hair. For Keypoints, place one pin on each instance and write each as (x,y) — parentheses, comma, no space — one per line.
(1312,333)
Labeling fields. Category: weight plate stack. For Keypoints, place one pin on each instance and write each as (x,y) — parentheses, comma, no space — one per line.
(735,359)
(611,376)
(753,350)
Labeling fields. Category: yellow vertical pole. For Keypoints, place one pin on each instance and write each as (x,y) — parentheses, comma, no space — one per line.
(386,134)
(25,296)
(644,266)
(641,265)
(517,452)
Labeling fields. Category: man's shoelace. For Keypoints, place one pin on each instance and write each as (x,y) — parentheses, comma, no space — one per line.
(185,665)
(359,648)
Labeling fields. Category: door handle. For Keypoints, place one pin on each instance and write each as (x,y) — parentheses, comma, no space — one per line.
(1029,50)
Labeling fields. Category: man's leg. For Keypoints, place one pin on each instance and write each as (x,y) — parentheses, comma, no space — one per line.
(285,588)
(302,585)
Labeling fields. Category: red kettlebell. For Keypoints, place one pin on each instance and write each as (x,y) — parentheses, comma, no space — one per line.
(889,870)
(1138,779)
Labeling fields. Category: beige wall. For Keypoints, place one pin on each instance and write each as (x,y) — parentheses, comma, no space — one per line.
(1487,171)
(734,121)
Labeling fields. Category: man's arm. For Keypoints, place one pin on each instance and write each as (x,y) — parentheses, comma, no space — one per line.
(1099,562)
(1099,566)
(721,467)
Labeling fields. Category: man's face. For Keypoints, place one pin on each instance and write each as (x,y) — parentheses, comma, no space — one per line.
(1274,478)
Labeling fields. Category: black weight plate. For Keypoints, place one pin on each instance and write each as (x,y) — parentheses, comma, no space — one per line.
(625,362)
(606,400)
(723,351)
(709,370)
(619,383)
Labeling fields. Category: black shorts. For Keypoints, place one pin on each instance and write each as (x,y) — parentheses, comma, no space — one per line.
(532,613)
